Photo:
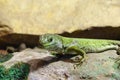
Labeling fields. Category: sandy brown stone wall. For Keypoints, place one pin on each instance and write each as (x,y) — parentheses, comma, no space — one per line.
(57,16)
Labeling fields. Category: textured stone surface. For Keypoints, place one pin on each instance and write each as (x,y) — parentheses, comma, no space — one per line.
(98,66)
(56,16)
(4,29)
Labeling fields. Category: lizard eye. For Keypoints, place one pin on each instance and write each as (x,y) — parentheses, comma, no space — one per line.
(50,40)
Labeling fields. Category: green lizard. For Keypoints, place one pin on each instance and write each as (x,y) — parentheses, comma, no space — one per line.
(78,46)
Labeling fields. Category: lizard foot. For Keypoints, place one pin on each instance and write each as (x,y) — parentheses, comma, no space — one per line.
(79,58)
(79,61)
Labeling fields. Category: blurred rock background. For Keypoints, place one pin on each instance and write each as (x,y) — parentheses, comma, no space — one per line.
(57,16)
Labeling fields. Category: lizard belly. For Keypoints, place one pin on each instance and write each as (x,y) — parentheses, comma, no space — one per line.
(93,49)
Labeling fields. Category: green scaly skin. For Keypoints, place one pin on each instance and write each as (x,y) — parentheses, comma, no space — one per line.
(77,46)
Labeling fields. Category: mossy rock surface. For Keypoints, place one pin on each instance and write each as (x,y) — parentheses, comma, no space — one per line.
(43,66)
(18,71)
(6,57)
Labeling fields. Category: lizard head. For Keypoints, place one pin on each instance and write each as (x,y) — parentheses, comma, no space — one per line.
(51,42)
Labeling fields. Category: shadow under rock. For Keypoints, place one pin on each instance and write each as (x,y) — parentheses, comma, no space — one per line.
(102,32)
(40,63)
(15,39)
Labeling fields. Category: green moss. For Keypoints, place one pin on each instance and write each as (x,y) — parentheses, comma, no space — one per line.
(18,71)
(4,58)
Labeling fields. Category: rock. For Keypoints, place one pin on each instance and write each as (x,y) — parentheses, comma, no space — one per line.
(5,29)
(46,16)
(22,47)
(98,66)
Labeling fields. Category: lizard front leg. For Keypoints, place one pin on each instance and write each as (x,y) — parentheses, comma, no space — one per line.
(56,54)
(77,51)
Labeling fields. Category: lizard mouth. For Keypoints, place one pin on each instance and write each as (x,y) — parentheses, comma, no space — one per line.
(47,45)
(50,46)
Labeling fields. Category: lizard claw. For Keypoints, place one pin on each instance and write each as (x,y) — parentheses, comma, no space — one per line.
(77,64)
